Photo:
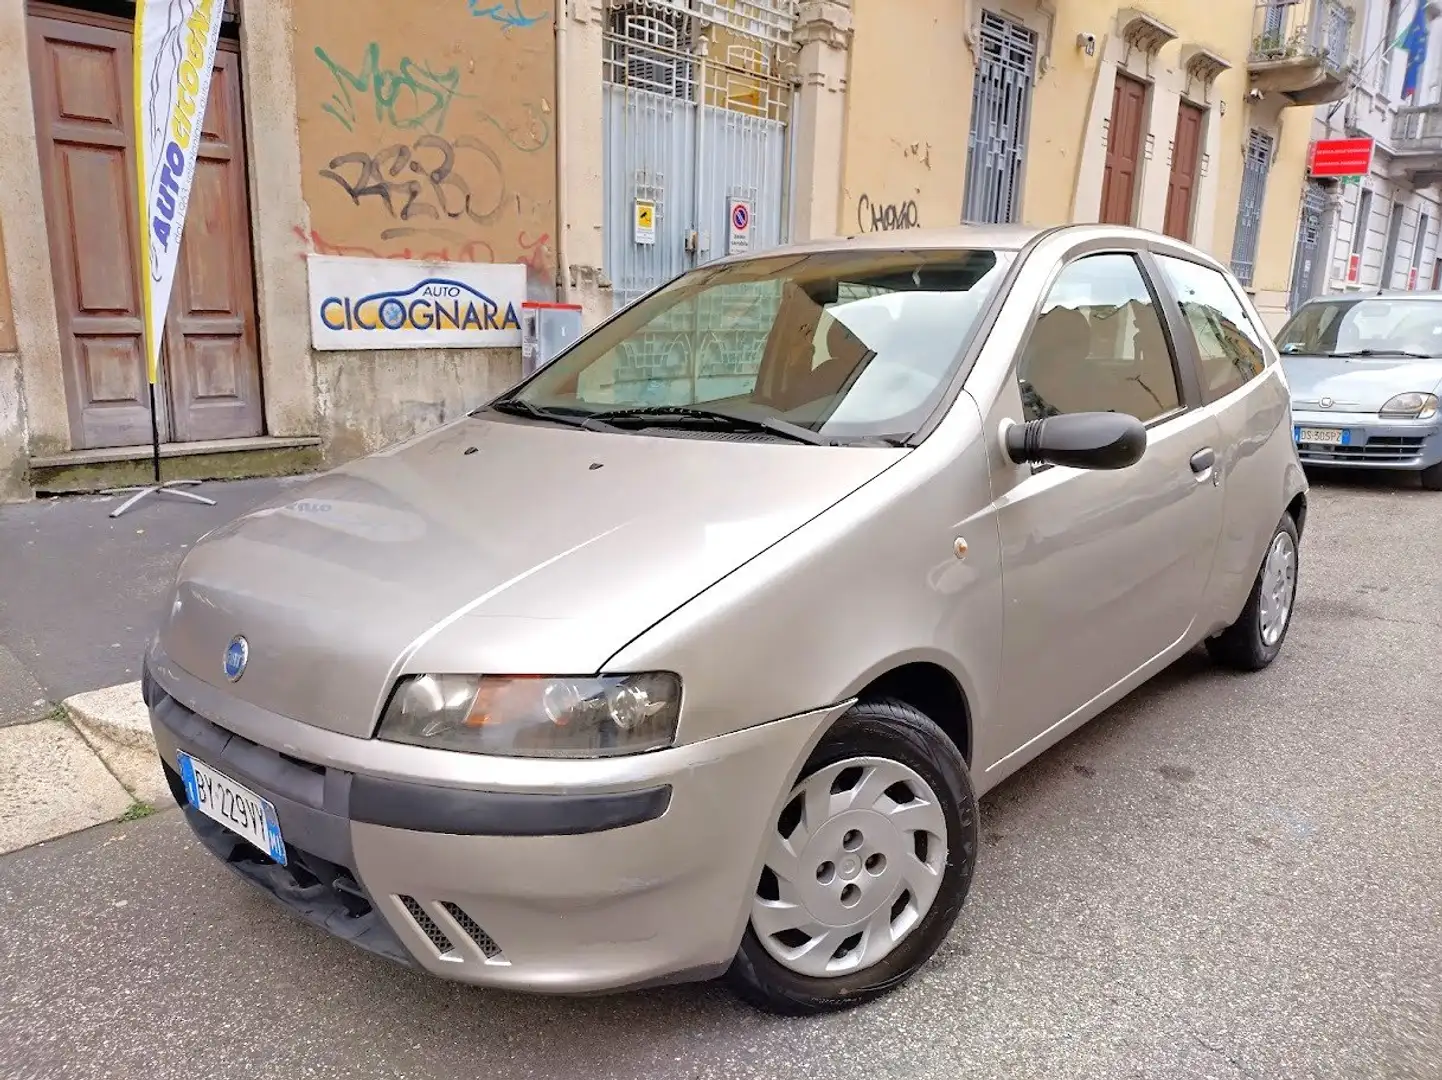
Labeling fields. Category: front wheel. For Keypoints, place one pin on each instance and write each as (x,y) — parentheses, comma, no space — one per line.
(1255,639)
(866,867)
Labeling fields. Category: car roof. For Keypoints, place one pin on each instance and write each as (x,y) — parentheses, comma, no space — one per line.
(1379,294)
(992,237)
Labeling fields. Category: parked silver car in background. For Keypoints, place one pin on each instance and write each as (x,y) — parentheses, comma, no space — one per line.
(692,654)
(1366,374)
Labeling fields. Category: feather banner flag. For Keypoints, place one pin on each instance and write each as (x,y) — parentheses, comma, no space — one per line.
(175,42)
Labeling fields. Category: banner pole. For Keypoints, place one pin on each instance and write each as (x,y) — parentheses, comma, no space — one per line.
(173,59)
(154,435)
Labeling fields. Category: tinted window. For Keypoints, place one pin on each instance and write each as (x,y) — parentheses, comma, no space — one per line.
(1098,345)
(1230,346)
(1377,326)
(849,344)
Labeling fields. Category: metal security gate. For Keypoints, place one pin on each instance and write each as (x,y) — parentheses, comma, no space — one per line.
(1000,112)
(1305,263)
(697,102)
(1255,165)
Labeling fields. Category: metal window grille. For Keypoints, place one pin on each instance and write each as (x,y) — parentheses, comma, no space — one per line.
(697,102)
(1362,222)
(1255,165)
(1309,233)
(1000,115)
(1419,240)
(1389,254)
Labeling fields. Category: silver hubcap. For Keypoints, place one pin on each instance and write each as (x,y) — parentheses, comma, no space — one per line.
(1279,586)
(852,867)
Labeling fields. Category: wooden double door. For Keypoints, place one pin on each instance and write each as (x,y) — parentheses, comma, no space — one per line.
(80,68)
(1126,132)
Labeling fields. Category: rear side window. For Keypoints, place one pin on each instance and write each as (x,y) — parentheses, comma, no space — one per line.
(1230,346)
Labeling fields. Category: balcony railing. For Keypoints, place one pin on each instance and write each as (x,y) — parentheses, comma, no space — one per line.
(1417,144)
(1418,130)
(1302,48)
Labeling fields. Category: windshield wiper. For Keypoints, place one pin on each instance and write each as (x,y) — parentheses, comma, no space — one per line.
(659,415)
(572,418)
(1409,353)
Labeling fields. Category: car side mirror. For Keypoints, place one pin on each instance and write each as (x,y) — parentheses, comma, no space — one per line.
(1089,440)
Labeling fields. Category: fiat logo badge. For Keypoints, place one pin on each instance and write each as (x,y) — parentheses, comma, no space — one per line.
(1326,403)
(237,655)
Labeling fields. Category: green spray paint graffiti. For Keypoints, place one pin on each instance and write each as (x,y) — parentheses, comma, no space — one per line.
(410,96)
(413,96)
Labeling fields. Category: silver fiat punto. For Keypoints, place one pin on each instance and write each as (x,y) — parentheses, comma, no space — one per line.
(691,654)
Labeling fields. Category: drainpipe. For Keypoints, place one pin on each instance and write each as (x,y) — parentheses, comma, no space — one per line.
(563,220)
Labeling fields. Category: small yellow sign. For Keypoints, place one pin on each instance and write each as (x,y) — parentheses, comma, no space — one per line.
(645,231)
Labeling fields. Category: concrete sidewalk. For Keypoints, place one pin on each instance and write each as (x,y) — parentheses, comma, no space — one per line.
(80,594)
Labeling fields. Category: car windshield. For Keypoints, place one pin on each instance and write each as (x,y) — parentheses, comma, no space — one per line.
(1365,327)
(832,347)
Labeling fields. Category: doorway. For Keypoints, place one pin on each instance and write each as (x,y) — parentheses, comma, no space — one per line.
(210,389)
(1182,183)
(1124,145)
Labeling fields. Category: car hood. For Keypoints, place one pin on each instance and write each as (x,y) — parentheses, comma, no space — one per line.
(488,546)
(1357,384)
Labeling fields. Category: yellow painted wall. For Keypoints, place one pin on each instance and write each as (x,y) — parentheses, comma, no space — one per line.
(908,110)
(909,104)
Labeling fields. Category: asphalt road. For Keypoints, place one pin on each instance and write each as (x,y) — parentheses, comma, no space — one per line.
(1224,876)
(81,592)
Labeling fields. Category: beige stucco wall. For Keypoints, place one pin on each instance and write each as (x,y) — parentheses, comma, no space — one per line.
(33,417)
(908,109)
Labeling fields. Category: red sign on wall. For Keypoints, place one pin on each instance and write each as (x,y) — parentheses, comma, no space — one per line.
(1412,279)
(1340,157)
(1354,266)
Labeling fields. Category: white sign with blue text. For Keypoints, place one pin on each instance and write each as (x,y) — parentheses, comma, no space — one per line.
(358,303)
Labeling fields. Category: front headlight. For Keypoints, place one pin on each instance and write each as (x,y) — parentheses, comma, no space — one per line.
(533,716)
(1414,405)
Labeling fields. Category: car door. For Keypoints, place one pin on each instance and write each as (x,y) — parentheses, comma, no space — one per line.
(1243,387)
(1103,572)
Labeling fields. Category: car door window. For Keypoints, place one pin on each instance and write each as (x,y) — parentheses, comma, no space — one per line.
(1098,345)
(1229,344)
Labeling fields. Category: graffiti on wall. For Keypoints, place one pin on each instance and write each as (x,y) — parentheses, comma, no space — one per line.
(429,141)
(511,16)
(409,95)
(876,216)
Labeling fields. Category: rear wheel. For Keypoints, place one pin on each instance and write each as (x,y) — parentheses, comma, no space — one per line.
(1255,639)
(866,867)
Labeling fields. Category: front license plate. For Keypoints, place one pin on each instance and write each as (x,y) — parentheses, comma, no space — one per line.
(234,805)
(1325,436)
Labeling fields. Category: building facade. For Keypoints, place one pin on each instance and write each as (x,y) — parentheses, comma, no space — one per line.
(600,145)
(1380,229)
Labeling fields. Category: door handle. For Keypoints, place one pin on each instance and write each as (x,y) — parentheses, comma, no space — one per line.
(1203,460)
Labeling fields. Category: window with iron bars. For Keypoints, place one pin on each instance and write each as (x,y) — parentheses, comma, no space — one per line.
(743,46)
(1255,166)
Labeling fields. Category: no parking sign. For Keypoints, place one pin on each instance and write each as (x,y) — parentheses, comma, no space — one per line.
(738,226)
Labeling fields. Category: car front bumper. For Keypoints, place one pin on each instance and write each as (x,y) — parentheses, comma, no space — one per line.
(642,877)
(1372,443)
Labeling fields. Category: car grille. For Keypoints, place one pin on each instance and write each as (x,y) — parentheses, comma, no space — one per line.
(441,939)
(1379,448)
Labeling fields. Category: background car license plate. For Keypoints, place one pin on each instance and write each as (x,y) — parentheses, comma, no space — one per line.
(235,806)
(1324,435)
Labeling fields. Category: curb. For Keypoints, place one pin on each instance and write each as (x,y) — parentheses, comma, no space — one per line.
(116,724)
(115,714)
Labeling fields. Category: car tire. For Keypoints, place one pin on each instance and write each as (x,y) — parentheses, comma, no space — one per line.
(890,739)
(1251,643)
(1432,478)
